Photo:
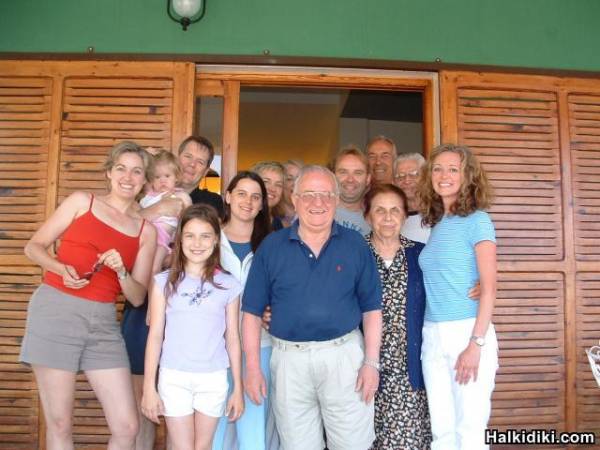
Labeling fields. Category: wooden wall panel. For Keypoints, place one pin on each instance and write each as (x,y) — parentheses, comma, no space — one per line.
(584,140)
(98,113)
(588,334)
(514,132)
(515,135)
(57,122)
(539,138)
(24,138)
(529,321)
(584,127)
(19,405)
(25,112)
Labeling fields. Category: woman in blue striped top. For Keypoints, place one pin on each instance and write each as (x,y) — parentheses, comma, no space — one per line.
(460,351)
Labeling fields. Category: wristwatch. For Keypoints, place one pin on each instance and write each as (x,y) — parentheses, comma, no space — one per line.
(123,274)
(373,363)
(479,340)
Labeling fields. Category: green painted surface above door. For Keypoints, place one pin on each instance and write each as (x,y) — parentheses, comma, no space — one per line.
(559,34)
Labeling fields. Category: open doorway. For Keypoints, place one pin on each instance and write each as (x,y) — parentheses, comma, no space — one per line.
(256,113)
(282,123)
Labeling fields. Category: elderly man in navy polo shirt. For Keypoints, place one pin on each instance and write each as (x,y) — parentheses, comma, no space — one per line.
(320,280)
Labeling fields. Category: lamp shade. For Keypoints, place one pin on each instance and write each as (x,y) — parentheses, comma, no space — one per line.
(186,8)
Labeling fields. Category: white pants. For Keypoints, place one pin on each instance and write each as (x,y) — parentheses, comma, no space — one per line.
(459,413)
(313,383)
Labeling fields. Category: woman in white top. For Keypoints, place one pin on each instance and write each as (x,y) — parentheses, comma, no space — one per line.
(246,224)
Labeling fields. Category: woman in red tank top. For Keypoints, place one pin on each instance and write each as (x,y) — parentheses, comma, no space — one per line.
(105,249)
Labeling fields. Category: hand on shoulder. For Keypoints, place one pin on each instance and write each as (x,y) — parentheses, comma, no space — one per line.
(184,197)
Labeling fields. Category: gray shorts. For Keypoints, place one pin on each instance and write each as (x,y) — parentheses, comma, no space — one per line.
(71,333)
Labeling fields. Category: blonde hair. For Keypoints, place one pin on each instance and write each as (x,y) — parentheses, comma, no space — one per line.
(129,147)
(475,190)
(167,158)
(294,162)
(259,168)
(268,165)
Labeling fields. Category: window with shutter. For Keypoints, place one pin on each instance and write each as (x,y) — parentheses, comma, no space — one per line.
(99,112)
(515,135)
(513,129)
(539,139)
(24,138)
(584,136)
(57,122)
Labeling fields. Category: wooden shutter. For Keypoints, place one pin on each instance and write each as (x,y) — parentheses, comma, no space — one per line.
(584,137)
(98,113)
(24,138)
(513,129)
(529,320)
(57,122)
(539,139)
(584,127)
(515,135)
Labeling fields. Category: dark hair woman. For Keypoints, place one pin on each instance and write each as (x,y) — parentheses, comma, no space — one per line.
(246,224)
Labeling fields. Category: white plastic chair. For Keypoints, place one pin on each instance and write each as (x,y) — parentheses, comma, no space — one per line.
(593,354)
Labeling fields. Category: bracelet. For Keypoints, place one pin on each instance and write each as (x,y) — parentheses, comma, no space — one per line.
(122,275)
(372,363)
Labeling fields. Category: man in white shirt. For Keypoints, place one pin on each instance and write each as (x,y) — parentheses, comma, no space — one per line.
(406,173)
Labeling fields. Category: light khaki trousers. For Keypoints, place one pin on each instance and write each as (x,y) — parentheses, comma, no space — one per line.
(313,385)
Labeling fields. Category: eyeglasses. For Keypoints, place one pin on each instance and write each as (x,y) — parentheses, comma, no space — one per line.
(95,268)
(411,174)
(312,196)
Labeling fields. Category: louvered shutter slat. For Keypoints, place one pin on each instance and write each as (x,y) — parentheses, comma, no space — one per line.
(584,128)
(100,112)
(24,136)
(514,133)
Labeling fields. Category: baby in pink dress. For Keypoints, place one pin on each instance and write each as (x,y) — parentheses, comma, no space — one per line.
(164,183)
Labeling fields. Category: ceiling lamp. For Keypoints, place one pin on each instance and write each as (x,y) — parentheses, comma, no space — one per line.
(186,12)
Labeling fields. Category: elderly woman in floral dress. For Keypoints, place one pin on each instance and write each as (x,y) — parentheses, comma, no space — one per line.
(401,413)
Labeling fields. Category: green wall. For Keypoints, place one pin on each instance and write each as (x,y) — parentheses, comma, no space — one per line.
(559,34)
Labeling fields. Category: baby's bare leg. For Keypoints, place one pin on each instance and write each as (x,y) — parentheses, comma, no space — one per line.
(159,259)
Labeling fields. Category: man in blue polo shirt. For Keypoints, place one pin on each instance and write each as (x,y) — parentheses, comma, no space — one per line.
(321,281)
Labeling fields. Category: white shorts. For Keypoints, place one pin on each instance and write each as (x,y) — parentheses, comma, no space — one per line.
(185,392)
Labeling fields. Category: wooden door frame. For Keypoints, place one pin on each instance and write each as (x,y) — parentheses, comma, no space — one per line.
(226,82)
